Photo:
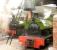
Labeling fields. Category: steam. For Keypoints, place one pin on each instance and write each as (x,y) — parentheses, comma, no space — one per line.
(6,13)
(47,13)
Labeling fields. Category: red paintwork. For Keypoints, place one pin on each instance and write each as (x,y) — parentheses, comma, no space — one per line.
(38,41)
(12,32)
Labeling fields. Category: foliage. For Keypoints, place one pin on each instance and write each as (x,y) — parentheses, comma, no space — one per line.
(39,23)
(26,24)
(49,21)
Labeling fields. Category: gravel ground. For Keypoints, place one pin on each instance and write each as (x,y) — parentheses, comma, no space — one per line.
(14,45)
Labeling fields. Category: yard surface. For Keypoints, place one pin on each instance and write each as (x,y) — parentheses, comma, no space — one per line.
(14,45)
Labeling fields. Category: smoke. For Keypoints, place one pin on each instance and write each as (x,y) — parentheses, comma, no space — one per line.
(6,13)
(3,16)
(47,13)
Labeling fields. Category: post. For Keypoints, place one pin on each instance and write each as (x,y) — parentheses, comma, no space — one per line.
(55,31)
(29,13)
